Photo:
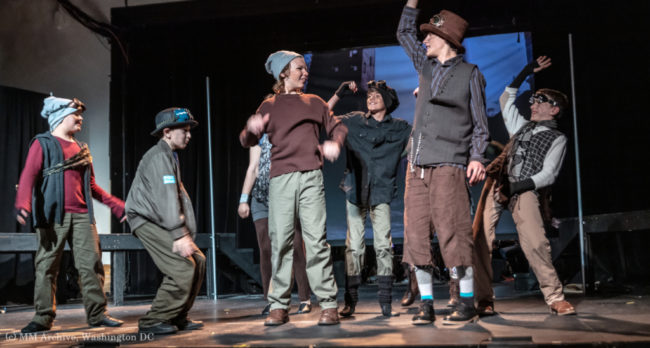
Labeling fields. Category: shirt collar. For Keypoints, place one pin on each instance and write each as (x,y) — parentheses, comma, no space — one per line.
(387,117)
(450,61)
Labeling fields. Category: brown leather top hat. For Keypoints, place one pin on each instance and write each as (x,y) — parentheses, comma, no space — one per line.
(448,26)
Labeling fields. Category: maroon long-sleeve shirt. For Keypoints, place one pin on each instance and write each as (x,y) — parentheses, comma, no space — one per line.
(294,127)
(75,201)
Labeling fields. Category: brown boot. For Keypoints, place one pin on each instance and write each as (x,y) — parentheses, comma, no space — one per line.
(277,317)
(329,317)
(562,308)
(412,291)
(454,293)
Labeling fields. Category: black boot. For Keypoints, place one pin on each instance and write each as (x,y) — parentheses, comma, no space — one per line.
(350,305)
(463,313)
(426,315)
(385,295)
(412,291)
(351,296)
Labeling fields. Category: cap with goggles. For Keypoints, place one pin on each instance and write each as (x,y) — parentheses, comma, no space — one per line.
(541,98)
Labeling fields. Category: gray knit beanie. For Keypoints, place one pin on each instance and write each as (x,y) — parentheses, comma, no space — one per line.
(278,60)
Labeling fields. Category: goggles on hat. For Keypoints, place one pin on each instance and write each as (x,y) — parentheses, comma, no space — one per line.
(541,98)
(377,84)
(76,104)
(182,115)
(437,20)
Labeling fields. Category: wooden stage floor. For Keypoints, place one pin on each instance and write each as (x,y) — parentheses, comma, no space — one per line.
(523,320)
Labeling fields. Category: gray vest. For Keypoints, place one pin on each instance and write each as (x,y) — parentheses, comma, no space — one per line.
(442,130)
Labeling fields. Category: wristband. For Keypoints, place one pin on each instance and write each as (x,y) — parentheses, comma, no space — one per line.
(243,198)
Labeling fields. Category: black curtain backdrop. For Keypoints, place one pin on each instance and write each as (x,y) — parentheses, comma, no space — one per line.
(20,120)
(173,47)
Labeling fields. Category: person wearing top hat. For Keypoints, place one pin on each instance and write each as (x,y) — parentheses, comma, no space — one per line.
(447,147)
(57,187)
(160,214)
(293,121)
(374,148)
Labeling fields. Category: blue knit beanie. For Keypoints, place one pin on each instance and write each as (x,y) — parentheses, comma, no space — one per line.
(56,109)
(278,60)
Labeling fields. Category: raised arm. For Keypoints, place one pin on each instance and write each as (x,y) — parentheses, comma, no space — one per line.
(346,88)
(407,35)
(512,118)
(254,154)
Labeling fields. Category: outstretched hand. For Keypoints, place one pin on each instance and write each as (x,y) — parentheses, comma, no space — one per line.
(257,123)
(543,62)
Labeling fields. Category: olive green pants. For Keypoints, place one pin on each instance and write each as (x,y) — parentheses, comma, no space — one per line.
(82,236)
(182,276)
(355,243)
(291,196)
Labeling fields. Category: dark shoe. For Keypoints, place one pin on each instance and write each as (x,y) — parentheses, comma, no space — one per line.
(350,305)
(463,314)
(485,308)
(277,317)
(412,292)
(562,308)
(409,297)
(266,310)
(304,308)
(34,327)
(328,317)
(386,310)
(159,329)
(188,324)
(426,315)
(108,321)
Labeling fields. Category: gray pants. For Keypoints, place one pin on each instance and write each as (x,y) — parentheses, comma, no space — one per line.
(299,195)
(182,276)
(355,245)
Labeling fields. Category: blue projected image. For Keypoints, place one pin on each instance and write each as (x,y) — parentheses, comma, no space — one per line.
(498,57)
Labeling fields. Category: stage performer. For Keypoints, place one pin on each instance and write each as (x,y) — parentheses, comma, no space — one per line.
(447,145)
(160,214)
(57,186)
(374,147)
(519,180)
(257,180)
(293,120)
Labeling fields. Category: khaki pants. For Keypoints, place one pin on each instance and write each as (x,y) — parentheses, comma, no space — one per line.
(84,242)
(535,245)
(299,195)
(182,276)
(355,245)
(299,262)
(437,199)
